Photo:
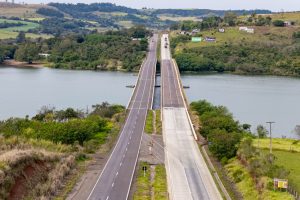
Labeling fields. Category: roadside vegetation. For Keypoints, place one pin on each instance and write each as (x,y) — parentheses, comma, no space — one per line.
(149,123)
(151,183)
(158,122)
(234,152)
(42,155)
(271,49)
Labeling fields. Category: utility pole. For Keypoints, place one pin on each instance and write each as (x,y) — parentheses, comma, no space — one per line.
(270,123)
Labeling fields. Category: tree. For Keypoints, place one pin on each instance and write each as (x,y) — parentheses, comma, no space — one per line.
(261,131)
(223,144)
(1,55)
(230,18)
(297,130)
(27,52)
(21,37)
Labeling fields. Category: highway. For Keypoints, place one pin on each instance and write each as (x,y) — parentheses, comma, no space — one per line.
(115,180)
(188,175)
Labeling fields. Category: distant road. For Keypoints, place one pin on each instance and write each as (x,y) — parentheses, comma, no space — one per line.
(188,175)
(115,180)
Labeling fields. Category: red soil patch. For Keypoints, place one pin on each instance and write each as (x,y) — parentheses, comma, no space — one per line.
(29,176)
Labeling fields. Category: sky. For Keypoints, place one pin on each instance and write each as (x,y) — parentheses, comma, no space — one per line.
(274,5)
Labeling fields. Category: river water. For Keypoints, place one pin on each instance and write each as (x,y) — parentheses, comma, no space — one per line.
(25,91)
(251,99)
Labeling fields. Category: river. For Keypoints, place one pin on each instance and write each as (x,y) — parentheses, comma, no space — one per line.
(25,91)
(251,99)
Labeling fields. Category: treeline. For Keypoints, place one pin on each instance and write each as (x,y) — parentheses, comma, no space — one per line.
(229,19)
(111,50)
(100,7)
(62,26)
(6,24)
(229,140)
(64,126)
(244,58)
(98,51)
(6,51)
(221,130)
(206,12)
(49,12)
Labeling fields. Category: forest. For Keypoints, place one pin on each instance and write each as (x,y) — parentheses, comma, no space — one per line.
(113,50)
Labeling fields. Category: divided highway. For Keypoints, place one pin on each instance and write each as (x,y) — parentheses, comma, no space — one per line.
(115,180)
(188,175)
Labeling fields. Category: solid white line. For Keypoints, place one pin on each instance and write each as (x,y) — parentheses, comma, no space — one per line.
(117,173)
(107,197)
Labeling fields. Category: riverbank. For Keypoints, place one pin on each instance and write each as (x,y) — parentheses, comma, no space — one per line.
(14,63)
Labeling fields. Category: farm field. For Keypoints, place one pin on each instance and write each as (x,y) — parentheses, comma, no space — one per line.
(12,32)
(21,11)
(178,18)
(278,144)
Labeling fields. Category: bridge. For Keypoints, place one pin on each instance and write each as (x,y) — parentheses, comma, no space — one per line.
(187,174)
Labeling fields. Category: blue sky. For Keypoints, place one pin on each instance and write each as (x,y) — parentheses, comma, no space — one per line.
(274,5)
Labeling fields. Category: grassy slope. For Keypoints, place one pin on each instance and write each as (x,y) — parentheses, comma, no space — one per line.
(12,32)
(177,18)
(281,35)
(279,144)
(287,152)
(290,161)
(22,11)
(247,187)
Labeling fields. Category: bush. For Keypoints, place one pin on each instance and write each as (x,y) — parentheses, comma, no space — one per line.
(218,125)
(279,23)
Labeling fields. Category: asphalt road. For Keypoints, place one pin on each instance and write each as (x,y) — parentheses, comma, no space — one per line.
(188,175)
(170,87)
(115,180)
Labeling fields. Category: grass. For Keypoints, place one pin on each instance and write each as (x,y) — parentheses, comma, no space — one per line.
(289,16)
(22,11)
(177,18)
(143,184)
(69,185)
(160,184)
(274,35)
(279,144)
(12,32)
(158,123)
(26,27)
(126,24)
(291,162)
(38,19)
(149,122)
(246,184)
